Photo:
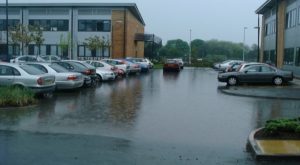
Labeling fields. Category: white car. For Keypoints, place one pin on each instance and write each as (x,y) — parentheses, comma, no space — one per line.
(24,58)
(63,78)
(103,71)
(26,76)
(225,64)
(118,63)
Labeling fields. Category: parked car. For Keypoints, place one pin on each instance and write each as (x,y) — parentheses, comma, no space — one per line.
(234,67)
(258,73)
(118,63)
(63,78)
(102,73)
(171,65)
(222,66)
(88,73)
(134,68)
(145,66)
(149,63)
(180,61)
(24,58)
(101,64)
(22,75)
(48,58)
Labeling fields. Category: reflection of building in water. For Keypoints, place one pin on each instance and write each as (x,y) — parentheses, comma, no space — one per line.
(126,100)
(274,109)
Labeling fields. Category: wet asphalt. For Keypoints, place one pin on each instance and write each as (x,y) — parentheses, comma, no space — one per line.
(153,118)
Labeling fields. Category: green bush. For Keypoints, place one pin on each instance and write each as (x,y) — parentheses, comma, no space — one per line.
(16,96)
(283,125)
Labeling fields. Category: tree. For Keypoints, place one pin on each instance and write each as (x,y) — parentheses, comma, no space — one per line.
(95,43)
(198,48)
(25,34)
(38,38)
(64,44)
(175,49)
(22,34)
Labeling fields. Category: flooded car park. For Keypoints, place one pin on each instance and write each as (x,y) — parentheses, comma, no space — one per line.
(153,118)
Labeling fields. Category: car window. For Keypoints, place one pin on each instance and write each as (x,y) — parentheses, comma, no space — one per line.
(16,72)
(31,70)
(66,65)
(58,68)
(97,64)
(40,67)
(267,69)
(252,69)
(6,71)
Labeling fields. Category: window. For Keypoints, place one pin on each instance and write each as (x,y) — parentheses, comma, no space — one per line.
(253,69)
(266,69)
(297,61)
(94,25)
(270,28)
(84,51)
(288,58)
(291,19)
(6,71)
(50,25)
(11,23)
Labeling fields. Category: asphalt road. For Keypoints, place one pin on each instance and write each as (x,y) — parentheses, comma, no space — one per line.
(154,118)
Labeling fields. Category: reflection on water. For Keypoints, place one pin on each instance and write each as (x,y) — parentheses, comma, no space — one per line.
(273,109)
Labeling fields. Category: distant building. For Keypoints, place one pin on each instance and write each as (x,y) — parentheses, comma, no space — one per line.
(120,24)
(280,33)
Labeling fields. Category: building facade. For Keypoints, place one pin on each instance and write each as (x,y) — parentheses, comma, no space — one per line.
(280,34)
(71,24)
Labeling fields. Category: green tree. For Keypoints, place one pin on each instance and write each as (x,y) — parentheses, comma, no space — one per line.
(175,49)
(95,43)
(22,34)
(37,37)
(198,48)
(65,43)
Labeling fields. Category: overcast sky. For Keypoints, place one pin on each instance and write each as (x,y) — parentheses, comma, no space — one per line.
(207,19)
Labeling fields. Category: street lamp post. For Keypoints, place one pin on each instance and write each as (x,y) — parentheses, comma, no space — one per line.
(6,7)
(244,43)
(190,47)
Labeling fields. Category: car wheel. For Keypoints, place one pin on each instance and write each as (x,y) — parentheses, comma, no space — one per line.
(99,78)
(232,81)
(278,81)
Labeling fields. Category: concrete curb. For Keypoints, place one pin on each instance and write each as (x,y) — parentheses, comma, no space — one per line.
(262,93)
(253,147)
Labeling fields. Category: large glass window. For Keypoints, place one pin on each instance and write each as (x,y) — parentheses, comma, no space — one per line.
(84,51)
(290,20)
(288,56)
(297,60)
(50,25)
(94,25)
(11,23)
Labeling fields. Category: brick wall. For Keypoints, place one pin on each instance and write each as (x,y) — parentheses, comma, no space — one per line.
(124,28)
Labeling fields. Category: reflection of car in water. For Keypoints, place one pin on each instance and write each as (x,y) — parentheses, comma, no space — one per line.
(170,76)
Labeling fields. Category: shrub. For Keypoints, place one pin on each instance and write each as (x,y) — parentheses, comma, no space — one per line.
(283,125)
(16,96)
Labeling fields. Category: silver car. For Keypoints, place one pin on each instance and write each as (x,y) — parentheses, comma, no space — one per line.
(26,76)
(63,78)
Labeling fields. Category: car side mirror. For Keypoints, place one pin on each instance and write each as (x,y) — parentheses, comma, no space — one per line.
(246,71)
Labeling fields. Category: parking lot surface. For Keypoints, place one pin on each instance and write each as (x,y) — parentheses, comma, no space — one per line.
(153,118)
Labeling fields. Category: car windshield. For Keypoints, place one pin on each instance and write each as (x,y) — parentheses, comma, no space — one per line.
(58,68)
(31,70)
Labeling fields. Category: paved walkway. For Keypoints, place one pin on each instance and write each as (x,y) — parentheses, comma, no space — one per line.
(279,147)
(289,91)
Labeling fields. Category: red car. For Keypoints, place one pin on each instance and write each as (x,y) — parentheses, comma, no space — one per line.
(171,65)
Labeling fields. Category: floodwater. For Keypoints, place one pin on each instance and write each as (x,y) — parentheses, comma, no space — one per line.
(153,118)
